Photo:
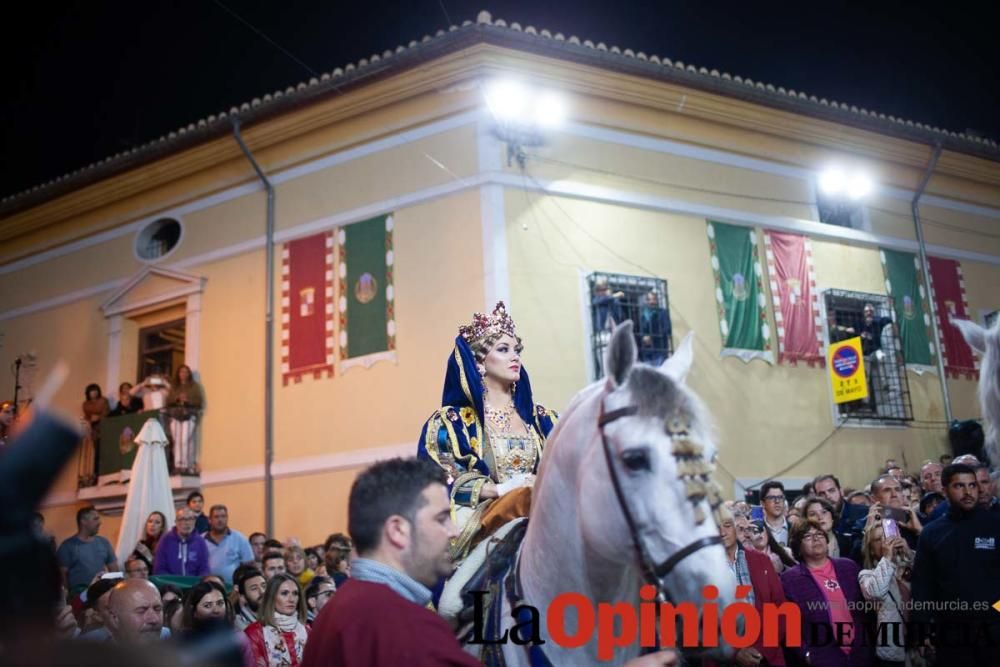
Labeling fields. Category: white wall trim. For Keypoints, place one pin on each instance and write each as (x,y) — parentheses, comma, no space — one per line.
(571,189)
(493,219)
(386,143)
(623,138)
(617,137)
(114,356)
(162,298)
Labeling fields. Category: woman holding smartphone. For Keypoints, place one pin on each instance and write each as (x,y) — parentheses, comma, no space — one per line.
(886,580)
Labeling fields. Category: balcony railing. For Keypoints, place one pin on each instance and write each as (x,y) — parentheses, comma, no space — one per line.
(107,454)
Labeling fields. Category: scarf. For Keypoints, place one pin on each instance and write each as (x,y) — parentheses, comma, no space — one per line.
(366,569)
(277,642)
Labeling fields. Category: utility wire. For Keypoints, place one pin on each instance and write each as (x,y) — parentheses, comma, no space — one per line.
(267,39)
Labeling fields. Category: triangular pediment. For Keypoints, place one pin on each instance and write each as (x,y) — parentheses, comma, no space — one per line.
(151,288)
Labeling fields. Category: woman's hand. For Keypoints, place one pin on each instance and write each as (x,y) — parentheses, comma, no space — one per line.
(489,490)
(664,658)
(913,523)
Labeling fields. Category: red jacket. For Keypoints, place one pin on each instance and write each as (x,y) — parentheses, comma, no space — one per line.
(258,647)
(766,588)
(370,625)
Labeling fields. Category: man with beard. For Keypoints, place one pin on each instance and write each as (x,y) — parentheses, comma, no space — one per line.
(249,585)
(956,574)
(136,613)
(399,516)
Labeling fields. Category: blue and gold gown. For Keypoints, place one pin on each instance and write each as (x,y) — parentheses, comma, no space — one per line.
(456,438)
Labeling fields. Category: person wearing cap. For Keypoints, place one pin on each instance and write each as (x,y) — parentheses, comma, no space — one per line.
(96,601)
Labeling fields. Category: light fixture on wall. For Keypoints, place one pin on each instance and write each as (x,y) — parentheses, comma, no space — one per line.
(522,114)
(835,182)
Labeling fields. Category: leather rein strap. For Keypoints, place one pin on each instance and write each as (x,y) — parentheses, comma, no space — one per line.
(653,573)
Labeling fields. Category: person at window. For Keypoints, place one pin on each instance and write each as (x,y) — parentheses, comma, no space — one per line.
(95,408)
(606,306)
(888,564)
(127,403)
(827,593)
(184,404)
(153,390)
(278,638)
(489,434)
(654,321)
(772,497)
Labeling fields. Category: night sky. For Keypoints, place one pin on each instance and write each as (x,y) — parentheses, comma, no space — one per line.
(85,80)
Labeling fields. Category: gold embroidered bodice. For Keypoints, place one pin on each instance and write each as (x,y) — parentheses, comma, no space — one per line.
(508,454)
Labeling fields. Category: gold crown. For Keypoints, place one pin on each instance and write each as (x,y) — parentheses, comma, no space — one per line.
(482,326)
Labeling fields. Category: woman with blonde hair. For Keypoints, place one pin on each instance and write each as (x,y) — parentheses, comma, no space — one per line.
(295,564)
(886,580)
(278,638)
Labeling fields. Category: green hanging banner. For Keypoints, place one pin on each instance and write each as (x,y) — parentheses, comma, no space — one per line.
(904,282)
(367,300)
(738,292)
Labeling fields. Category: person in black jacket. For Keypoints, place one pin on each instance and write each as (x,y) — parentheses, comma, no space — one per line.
(956,575)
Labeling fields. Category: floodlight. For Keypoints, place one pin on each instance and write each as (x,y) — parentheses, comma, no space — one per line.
(858,186)
(507,101)
(833,181)
(549,111)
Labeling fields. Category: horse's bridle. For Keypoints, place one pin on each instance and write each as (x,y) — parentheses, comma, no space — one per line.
(652,572)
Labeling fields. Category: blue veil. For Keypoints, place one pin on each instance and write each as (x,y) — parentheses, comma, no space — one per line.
(464,388)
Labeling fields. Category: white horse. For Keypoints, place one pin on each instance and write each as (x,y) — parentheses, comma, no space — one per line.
(987,343)
(624,496)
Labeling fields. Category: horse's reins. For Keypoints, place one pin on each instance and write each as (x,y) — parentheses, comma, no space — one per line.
(652,572)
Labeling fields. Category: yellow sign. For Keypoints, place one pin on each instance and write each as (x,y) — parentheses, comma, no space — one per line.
(847,370)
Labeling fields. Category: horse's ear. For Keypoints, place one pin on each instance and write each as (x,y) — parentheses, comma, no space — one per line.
(974,334)
(621,353)
(679,363)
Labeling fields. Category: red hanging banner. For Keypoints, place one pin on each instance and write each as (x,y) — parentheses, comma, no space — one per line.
(307,342)
(948,292)
(793,291)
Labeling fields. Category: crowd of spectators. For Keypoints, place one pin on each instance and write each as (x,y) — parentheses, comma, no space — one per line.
(903,571)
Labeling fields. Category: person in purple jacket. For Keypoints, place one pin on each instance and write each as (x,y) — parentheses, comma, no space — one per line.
(182,551)
(829,598)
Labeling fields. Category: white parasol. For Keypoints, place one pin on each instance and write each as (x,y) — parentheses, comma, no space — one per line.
(148,489)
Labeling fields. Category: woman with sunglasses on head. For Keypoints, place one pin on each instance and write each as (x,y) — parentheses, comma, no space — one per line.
(829,598)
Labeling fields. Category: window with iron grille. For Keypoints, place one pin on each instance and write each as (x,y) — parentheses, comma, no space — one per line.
(157,239)
(870,316)
(616,297)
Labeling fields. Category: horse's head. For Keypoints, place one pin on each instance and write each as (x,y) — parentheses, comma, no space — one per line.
(987,343)
(656,436)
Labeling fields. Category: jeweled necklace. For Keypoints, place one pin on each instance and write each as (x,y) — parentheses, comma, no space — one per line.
(500,418)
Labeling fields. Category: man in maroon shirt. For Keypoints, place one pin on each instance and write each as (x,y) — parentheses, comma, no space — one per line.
(399,517)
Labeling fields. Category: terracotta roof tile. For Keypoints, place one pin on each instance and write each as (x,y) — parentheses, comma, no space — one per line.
(982,146)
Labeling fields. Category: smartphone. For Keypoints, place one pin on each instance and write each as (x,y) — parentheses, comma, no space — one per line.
(890,529)
(756,513)
(896,514)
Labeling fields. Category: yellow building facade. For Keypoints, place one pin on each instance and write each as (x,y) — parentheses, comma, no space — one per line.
(647,155)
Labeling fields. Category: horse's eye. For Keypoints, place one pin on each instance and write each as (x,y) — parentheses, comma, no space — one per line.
(636,460)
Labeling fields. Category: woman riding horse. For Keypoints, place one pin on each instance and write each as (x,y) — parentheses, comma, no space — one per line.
(488,434)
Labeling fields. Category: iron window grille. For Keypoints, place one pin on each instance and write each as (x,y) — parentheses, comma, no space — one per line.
(616,297)
(885,370)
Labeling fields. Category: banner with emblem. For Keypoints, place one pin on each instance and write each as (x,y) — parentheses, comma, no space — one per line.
(739,296)
(948,292)
(367,306)
(307,319)
(904,282)
(796,302)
